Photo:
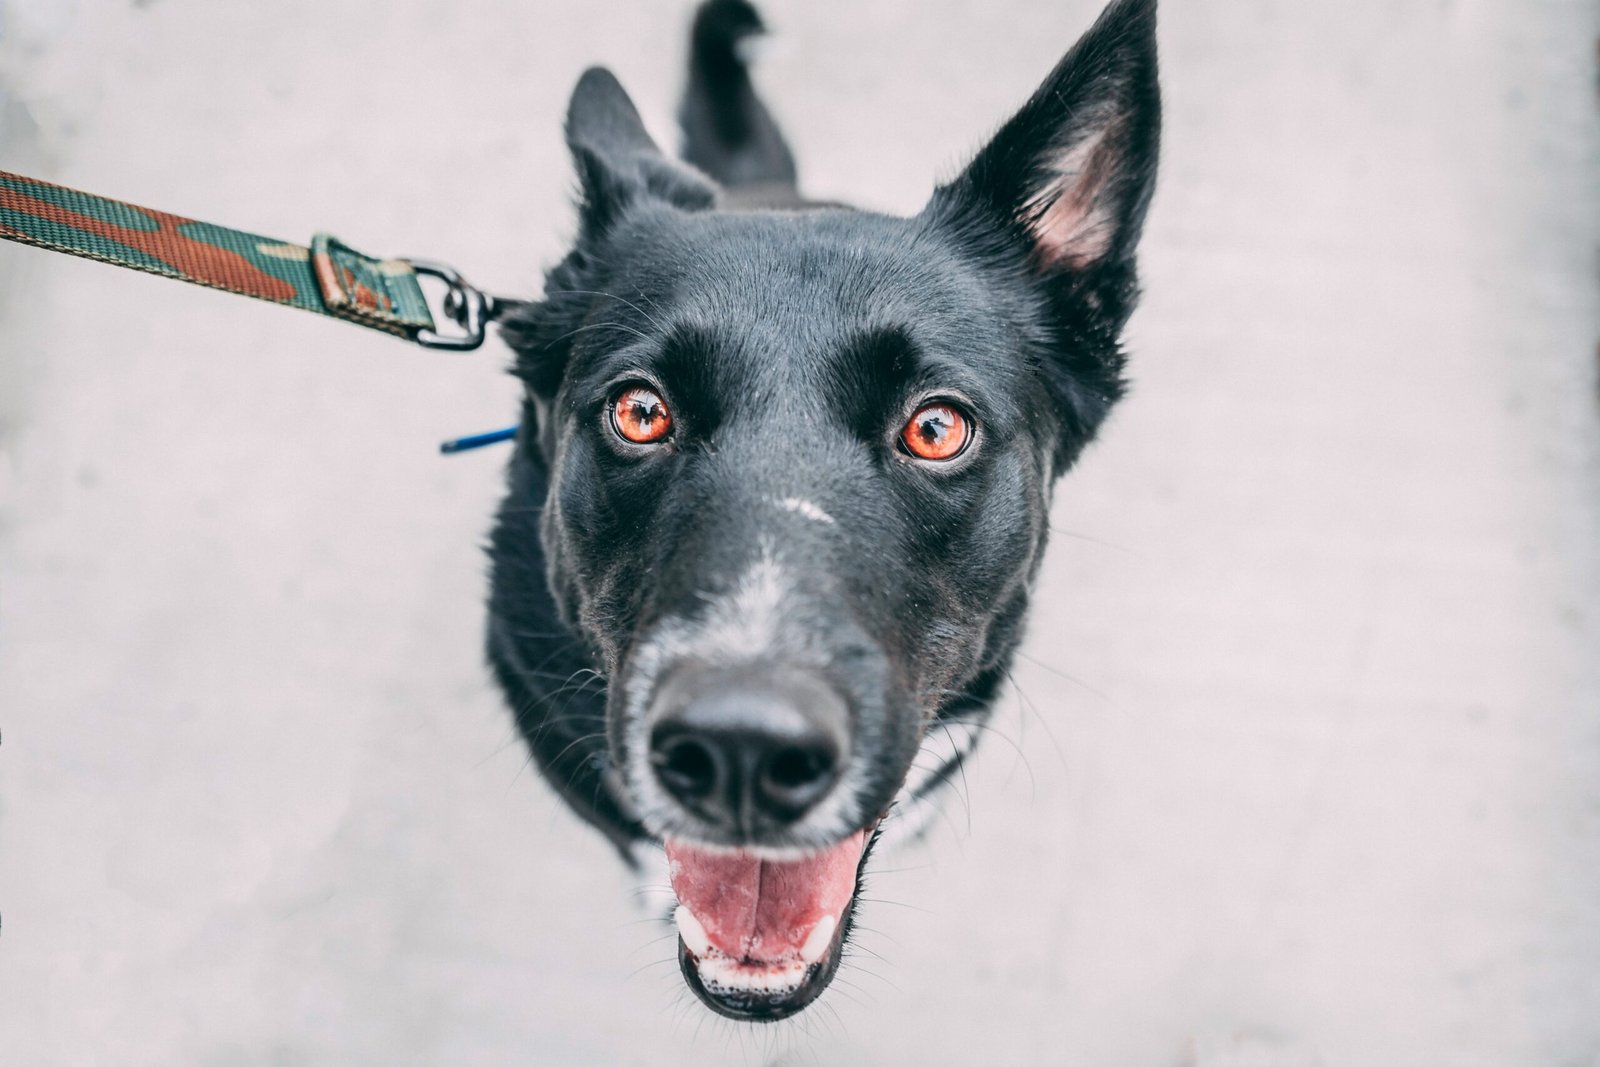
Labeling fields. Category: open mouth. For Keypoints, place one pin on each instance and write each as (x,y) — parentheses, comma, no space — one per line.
(759,938)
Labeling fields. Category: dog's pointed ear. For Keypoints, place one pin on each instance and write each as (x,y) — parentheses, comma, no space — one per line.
(1059,197)
(1071,173)
(618,163)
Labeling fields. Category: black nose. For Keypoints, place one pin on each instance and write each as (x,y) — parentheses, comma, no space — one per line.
(749,753)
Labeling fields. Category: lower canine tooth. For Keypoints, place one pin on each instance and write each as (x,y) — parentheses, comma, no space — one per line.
(693,934)
(818,940)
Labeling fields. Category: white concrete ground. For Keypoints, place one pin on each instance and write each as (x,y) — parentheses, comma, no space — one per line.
(1324,786)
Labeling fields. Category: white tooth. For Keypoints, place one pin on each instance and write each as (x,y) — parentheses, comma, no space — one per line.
(819,939)
(693,934)
(718,973)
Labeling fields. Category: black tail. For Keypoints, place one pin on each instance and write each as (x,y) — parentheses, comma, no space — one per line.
(727,131)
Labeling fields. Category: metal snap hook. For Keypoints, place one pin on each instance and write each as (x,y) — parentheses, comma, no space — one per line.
(468,306)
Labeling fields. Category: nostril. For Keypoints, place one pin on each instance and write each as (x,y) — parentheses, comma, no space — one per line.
(796,776)
(747,753)
(795,768)
(686,766)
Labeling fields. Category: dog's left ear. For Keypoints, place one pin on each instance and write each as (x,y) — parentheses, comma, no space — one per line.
(618,163)
(1059,196)
(1072,172)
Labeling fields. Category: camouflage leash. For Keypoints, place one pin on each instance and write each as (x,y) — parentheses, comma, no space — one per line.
(329,277)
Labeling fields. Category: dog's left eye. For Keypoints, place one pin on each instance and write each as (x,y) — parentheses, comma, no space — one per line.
(641,416)
(937,431)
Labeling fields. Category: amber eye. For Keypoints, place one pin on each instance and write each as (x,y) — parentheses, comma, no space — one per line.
(641,416)
(936,431)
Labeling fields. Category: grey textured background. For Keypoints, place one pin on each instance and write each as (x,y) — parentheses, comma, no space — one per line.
(1324,786)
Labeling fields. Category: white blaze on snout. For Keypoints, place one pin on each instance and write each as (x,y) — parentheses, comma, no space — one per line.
(744,623)
(737,626)
(741,625)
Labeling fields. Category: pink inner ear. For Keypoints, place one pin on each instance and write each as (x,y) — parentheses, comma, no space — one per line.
(1075,226)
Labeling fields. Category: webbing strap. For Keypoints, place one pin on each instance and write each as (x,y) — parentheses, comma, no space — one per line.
(329,277)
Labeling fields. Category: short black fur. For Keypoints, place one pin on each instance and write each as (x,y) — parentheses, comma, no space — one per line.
(791,343)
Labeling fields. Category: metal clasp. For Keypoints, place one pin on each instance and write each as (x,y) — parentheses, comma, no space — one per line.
(469,307)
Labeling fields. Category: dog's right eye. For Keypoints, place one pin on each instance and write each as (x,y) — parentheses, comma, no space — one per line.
(640,415)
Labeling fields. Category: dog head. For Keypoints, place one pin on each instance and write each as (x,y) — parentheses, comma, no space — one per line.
(782,486)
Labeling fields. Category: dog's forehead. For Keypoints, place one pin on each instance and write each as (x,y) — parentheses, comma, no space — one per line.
(805,274)
(796,305)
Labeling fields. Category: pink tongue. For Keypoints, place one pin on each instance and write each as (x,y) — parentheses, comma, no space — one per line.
(762,910)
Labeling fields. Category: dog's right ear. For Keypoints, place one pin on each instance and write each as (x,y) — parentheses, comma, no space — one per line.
(619,167)
(618,163)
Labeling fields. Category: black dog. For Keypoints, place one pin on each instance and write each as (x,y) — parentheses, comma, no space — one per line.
(781,485)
